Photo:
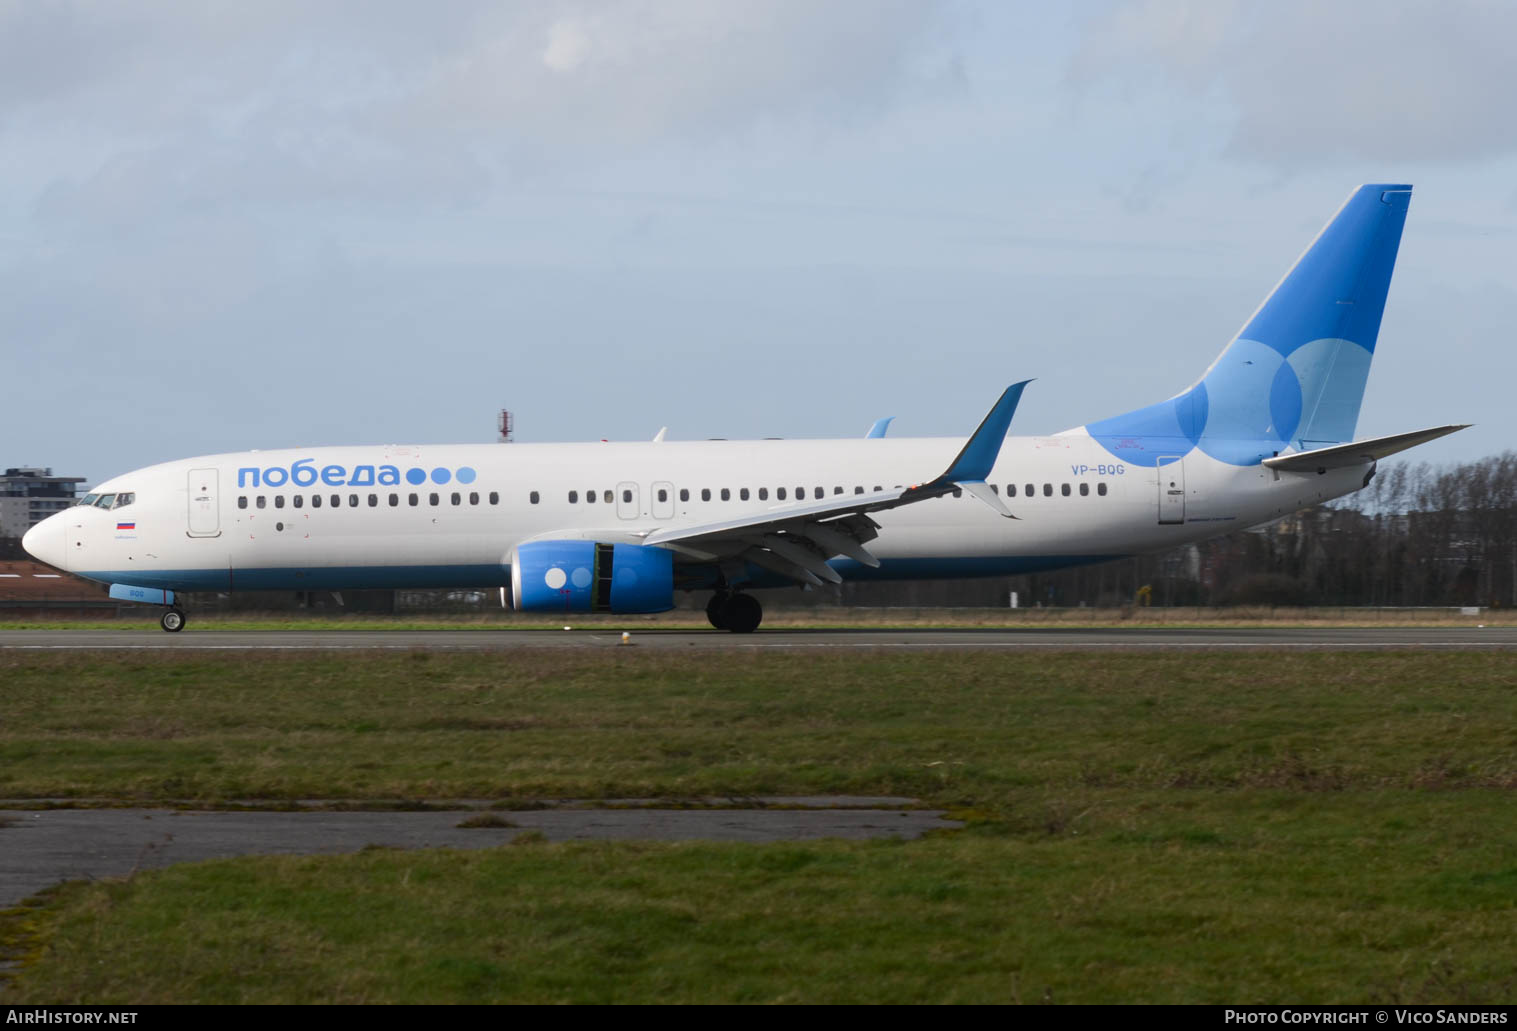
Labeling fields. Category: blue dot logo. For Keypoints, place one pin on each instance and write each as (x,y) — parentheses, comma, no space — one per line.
(414,475)
(465,475)
(441,475)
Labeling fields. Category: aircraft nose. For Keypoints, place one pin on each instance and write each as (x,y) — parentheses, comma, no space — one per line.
(45,541)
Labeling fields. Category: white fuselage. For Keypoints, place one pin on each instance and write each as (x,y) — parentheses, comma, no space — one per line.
(223,522)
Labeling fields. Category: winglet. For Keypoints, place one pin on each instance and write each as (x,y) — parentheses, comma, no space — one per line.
(878,429)
(980,452)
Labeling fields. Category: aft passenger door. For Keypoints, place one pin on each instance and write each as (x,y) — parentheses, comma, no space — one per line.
(1171,472)
(205,508)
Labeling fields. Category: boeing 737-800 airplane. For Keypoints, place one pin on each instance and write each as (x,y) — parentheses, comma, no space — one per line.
(620,528)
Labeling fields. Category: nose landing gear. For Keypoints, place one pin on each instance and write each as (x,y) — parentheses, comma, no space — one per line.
(172,620)
(730,610)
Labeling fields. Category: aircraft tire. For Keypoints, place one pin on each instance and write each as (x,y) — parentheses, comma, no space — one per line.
(172,620)
(716,609)
(743,614)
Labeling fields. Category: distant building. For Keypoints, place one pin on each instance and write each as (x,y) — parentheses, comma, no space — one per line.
(28,496)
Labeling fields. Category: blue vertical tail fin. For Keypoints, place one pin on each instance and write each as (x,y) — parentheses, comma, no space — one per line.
(1294,376)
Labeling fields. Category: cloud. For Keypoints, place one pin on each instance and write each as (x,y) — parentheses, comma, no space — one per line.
(1389,80)
(128,113)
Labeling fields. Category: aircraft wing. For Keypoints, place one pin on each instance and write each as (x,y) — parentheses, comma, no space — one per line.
(796,540)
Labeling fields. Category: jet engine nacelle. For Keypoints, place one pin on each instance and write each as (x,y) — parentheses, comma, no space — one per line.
(584,576)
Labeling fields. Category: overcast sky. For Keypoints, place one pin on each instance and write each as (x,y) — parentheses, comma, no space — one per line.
(227,225)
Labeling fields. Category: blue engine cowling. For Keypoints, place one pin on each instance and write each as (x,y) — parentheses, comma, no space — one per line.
(583,576)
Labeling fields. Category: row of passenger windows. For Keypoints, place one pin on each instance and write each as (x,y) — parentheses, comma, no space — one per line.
(1011,490)
(608,497)
(356,500)
(817,493)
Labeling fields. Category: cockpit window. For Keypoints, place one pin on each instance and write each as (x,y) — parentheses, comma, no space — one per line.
(88,499)
(105,501)
(123,500)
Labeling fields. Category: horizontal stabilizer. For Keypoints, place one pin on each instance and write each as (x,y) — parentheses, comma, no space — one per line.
(1359,452)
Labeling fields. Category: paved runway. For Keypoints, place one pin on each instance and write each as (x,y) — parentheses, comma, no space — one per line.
(1075,639)
(39,848)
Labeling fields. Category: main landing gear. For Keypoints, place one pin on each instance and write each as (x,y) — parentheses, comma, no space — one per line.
(730,610)
(172,620)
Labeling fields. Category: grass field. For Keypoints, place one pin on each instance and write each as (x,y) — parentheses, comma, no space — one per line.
(1143,827)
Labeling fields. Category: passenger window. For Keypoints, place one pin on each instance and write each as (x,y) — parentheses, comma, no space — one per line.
(457,498)
(819,494)
(1031,490)
(412,499)
(278,500)
(432,499)
(1064,489)
(474,497)
(352,500)
(336,500)
(742,494)
(394,500)
(837,490)
(262,501)
(800,493)
(626,496)
(315,500)
(1101,489)
(858,490)
(763,493)
(1011,490)
(878,488)
(726,494)
(663,495)
(1084,490)
(780,493)
(1048,490)
(242,502)
(684,493)
(606,497)
(373,500)
(573,496)
(589,497)
(495,498)
(705,493)
(958,492)
(298,500)
(994,489)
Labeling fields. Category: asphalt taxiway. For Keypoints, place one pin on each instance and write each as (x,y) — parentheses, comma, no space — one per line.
(42,847)
(1072,638)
